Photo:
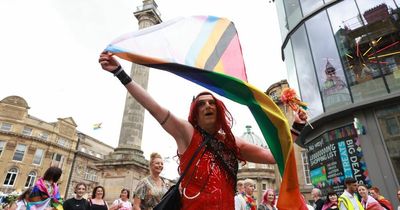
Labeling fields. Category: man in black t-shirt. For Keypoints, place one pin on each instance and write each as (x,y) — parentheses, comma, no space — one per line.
(78,202)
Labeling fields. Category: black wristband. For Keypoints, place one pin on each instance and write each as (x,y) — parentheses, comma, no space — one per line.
(297,128)
(121,75)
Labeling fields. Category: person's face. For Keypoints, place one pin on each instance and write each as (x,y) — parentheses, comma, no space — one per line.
(206,111)
(314,194)
(240,188)
(363,191)
(249,189)
(352,187)
(124,195)
(99,193)
(270,196)
(374,194)
(157,166)
(398,195)
(80,191)
(333,198)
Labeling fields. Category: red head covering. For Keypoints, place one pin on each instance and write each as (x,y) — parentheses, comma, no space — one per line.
(224,120)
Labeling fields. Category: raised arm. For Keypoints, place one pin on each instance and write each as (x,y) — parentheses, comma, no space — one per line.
(180,129)
(254,153)
(257,154)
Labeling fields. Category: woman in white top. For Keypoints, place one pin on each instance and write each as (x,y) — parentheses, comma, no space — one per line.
(123,202)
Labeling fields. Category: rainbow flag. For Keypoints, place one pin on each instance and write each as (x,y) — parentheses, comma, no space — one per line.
(206,50)
(97,126)
(41,199)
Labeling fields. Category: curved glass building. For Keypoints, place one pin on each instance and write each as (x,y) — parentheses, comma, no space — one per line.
(343,58)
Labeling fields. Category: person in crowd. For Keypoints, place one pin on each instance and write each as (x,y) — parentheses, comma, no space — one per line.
(45,193)
(12,205)
(210,183)
(249,186)
(348,200)
(77,202)
(331,201)
(240,203)
(316,195)
(268,200)
(398,198)
(376,194)
(97,202)
(367,201)
(23,199)
(123,202)
(149,190)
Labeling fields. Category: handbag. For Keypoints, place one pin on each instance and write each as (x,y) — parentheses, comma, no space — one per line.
(171,200)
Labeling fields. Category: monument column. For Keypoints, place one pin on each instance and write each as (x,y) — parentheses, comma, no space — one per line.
(126,165)
(132,122)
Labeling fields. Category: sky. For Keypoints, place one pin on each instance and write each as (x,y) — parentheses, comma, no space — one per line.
(50,50)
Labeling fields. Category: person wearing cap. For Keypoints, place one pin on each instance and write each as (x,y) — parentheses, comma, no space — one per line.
(348,200)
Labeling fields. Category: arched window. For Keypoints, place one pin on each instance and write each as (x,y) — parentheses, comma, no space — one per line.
(11,177)
(30,181)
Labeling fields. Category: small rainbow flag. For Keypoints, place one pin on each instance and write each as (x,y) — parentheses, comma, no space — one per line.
(206,50)
(97,126)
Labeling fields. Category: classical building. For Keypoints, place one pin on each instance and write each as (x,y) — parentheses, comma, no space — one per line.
(343,58)
(28,146)
(263,174)
(89,151)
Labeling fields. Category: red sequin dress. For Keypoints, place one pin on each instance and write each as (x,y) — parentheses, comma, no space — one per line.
(206,185)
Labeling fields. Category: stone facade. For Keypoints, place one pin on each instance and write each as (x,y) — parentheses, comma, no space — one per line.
(28,146)
(84,169)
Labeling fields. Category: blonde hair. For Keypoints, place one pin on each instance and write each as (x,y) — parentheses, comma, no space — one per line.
(248,182)
(153,156)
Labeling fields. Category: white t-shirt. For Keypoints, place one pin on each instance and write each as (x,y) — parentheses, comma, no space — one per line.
(126,205)
(240,203)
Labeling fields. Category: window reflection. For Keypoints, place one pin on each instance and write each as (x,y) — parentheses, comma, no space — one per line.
(357,49)
(291,68)
(307,80)
(293,13)
(309,6)
(382,23)
(332,83)
(389,123)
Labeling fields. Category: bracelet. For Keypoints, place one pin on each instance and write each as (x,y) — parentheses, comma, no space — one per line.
(121,75)
(297,128)
(165,119)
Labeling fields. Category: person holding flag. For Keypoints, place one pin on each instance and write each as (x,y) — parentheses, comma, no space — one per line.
(210,182)
(45,194)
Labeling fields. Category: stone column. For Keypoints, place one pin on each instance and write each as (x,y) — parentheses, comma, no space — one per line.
(130,139)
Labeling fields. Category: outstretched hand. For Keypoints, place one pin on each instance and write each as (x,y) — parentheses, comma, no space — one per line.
(300,117)
(108,62)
